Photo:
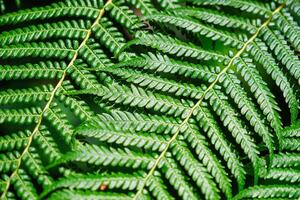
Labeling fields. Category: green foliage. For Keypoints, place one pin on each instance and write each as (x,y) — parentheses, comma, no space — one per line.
(142,99)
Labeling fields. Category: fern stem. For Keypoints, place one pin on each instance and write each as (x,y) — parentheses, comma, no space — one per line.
(47,106)
(211,86)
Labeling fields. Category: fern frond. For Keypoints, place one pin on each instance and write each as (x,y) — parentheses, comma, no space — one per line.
(199,144)
(169,4)
(142,99)
(197,27)
(64,29)
(94,181)
(260,53)
(14,141)
(84,195)
(157,83)
(292,144)
(177,180)
(158,189)
(137,97)
(138,122)
(109,36)
(209,125)
(8,162)
(176,47)
(145,6)
(217,18)
(247,6)
(292,131)
(286,160)
(197,171)
(20,116)
(276,42)
(228,116)
(270,191)
(57,50)
(164,64)
(264,97)
(111,134)
(26,95)
(287,25)
(113,157)
(23,185)
(56,10)
(284,174)
(123,15)
(42,70)
(233,88)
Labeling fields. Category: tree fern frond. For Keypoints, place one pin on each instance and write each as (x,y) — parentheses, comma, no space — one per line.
(286,160)
(197,171)
(8,162)
(209,125)
(83,77)
(61,9)
(94,181)
(169,4)
(123,15)
(65,29)
(292,131)
(283,52)
(29,71)
(145,6)
(264,97)
(157,188)
(23,185)
(157,83)
(78,107)
(14,141)
(58,50)
(149,99)
(233,88)
(292,144)
(175,47)
(209,159)
(284,174)
(137,97)
(251,7)
(109,36)
(197,27)
(138,122)
(26,95)
(162,63)
(33,164)
(293,5)
(92,53)
(46,143)
(270,191)
(217,18)
(60,122)
(260,53)
(177,179)
(227,115)
(111,134)
(290,28)
(84,195)
(114,157)
(20,116)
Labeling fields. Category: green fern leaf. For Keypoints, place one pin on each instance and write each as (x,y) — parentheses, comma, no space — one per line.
(144,99)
